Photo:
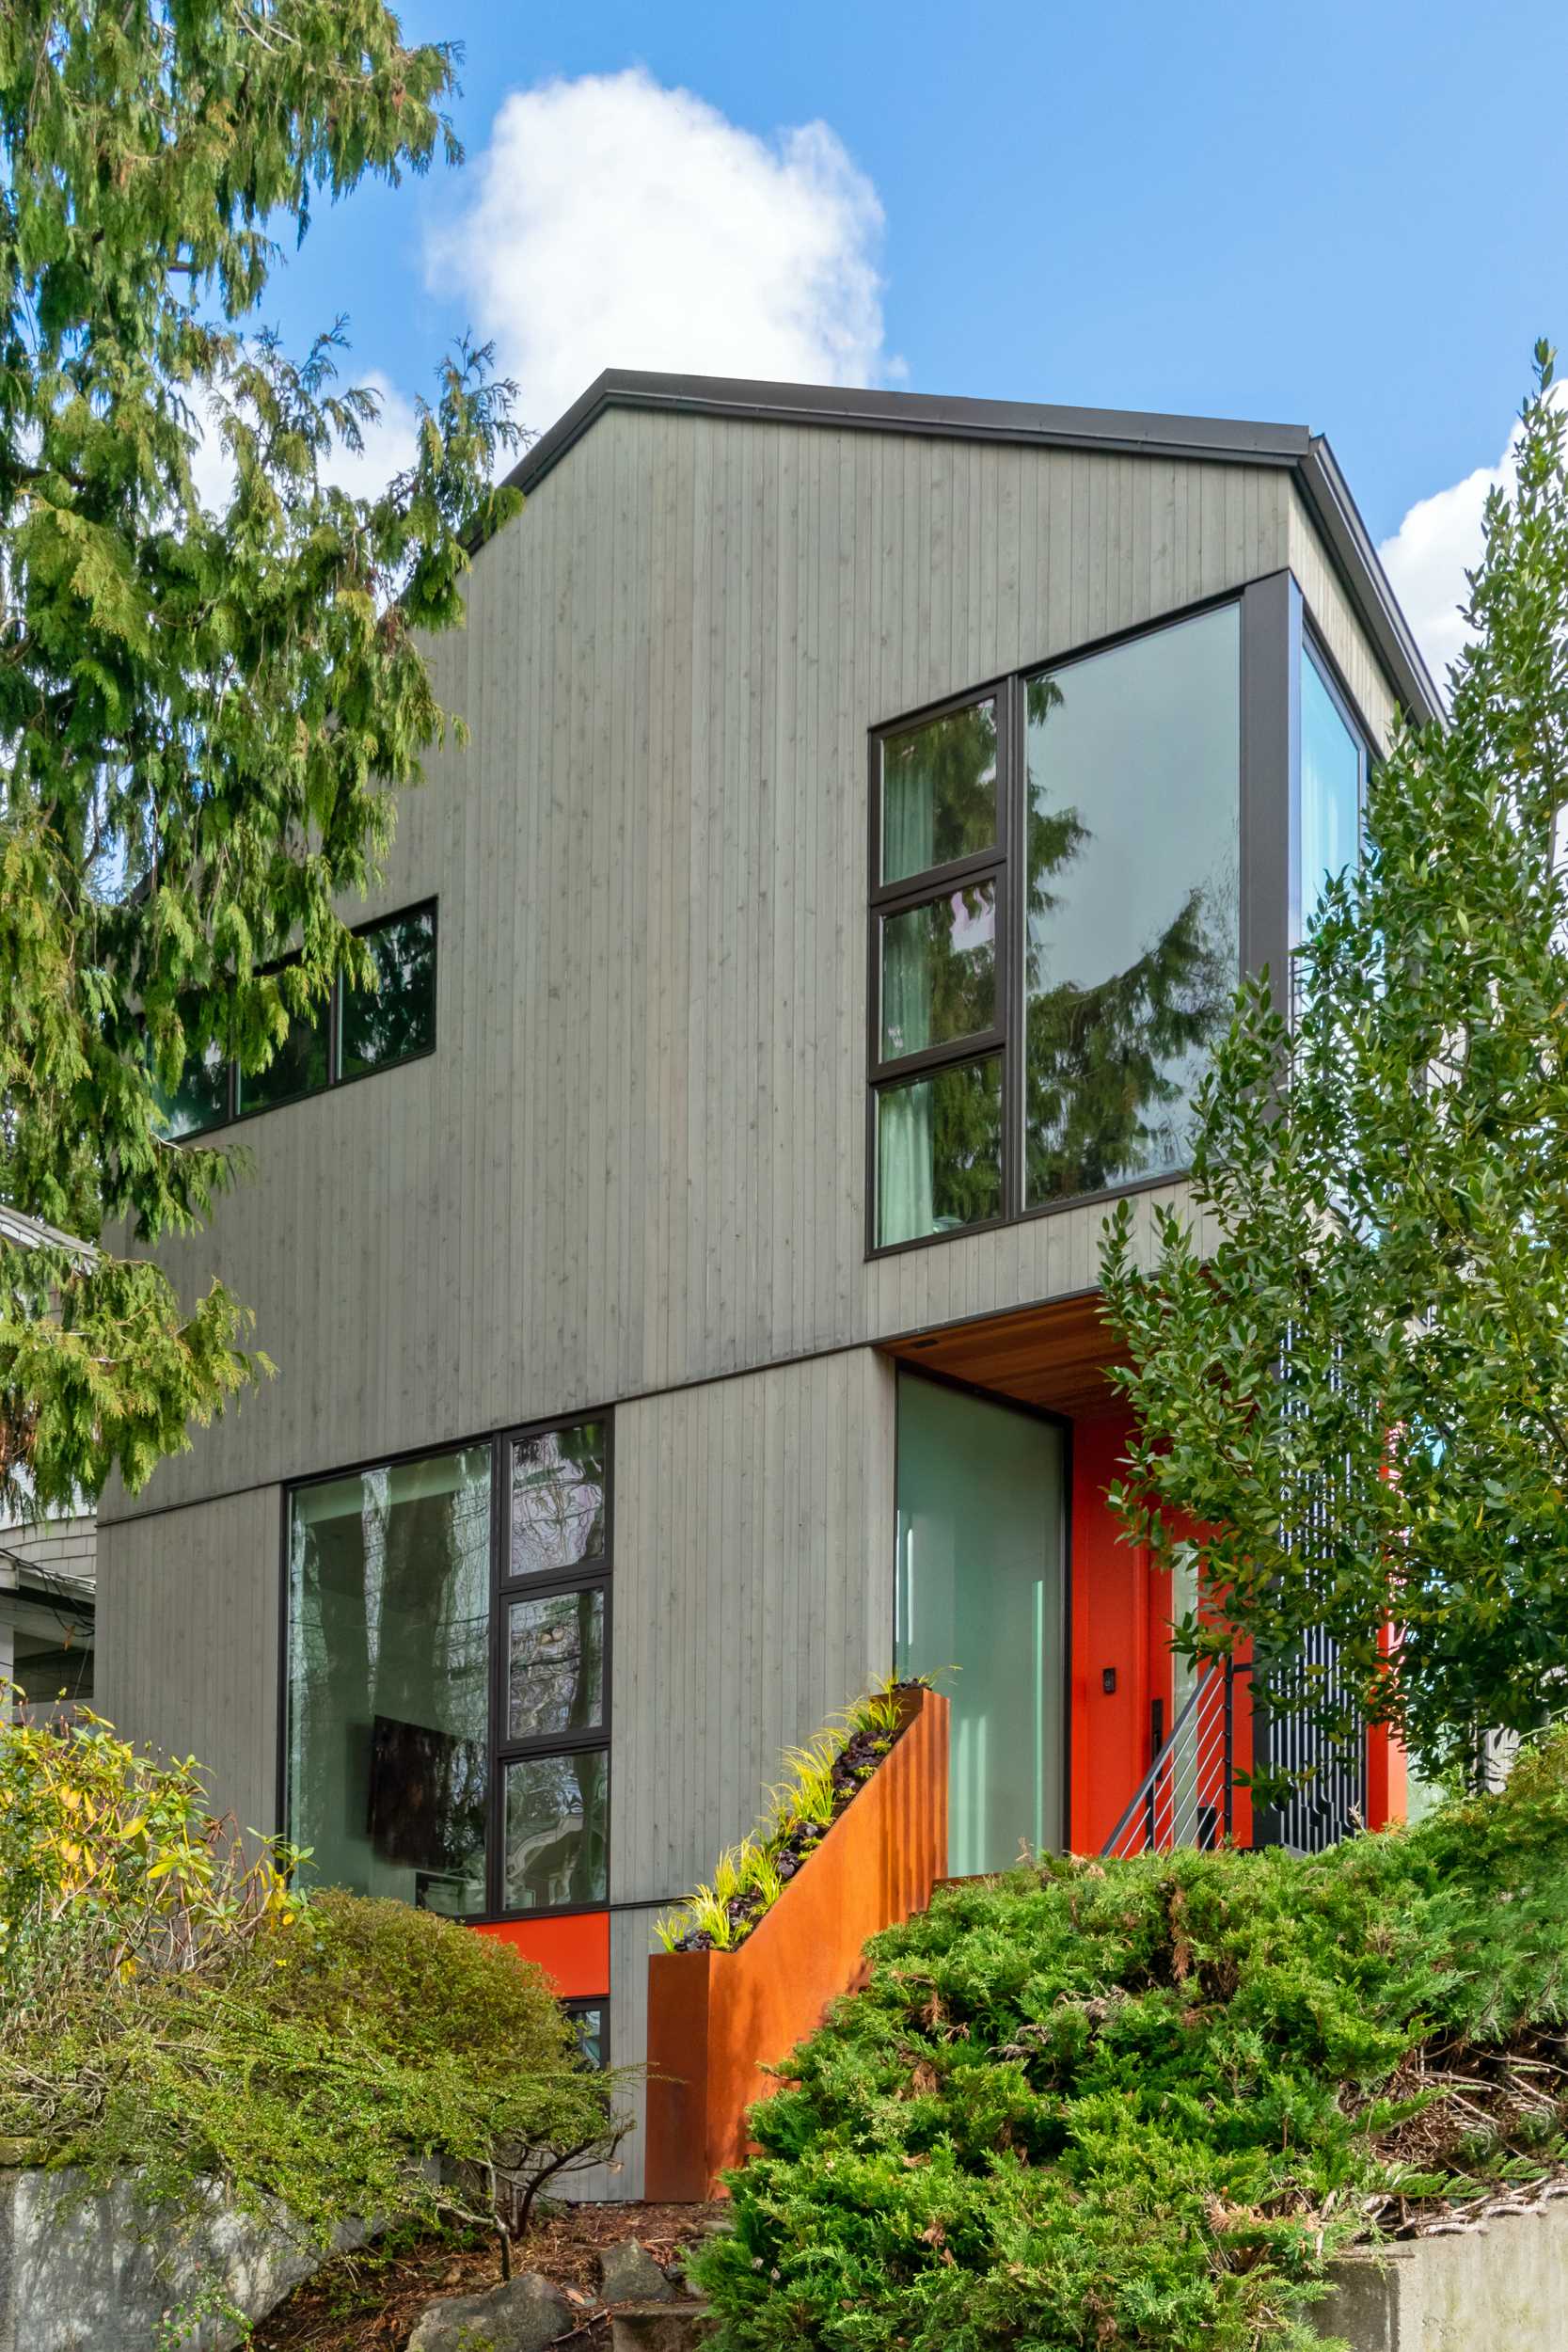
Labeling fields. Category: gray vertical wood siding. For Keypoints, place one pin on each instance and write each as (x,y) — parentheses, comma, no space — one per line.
(188,1644)
(637,1157)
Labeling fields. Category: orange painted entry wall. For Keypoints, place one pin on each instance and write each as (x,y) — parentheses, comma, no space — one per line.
(1120,1617)
(572,1950)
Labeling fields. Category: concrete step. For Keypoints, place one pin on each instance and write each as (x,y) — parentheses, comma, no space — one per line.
(660,2327)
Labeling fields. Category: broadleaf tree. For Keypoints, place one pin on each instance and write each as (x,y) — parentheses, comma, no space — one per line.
(1350,1390)
(207,710)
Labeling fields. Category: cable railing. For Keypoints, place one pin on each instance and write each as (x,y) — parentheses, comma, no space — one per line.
(1186,1798)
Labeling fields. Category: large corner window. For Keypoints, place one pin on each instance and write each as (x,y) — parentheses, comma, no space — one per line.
(355,1031)
(447,1700)
(1055,919)
(1332,791)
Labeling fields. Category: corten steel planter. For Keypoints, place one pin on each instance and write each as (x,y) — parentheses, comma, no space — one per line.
(715,2019)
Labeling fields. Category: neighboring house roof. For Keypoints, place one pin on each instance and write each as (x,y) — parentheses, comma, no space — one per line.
(32,1233)
(1115,431)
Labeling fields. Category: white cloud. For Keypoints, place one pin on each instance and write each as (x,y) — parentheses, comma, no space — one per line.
(388,447)
(1429,555)
(615,223)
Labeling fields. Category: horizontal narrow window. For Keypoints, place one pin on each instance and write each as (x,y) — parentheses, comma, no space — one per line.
(938,791)
(939,1151)
(938,970)
(556,1834)
(298,1067)
(351,1033)
(397,1019)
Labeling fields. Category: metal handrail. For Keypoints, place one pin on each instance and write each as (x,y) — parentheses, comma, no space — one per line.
(1174,1781)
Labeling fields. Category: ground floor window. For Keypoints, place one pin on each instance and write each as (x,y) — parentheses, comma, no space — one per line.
(448,1724)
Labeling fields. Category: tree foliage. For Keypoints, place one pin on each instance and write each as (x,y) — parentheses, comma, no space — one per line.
(1352,1382)
(206,715)
(1136,2104)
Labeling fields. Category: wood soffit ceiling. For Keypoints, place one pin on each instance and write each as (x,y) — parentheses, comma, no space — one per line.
(1055,1355)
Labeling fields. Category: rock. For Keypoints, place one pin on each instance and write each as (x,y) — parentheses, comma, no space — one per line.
(629,2274)
(523,2316)
(661,2328)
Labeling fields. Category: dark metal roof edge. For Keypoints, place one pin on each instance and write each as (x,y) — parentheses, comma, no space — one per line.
(1112,431)
(1117,431)
(1328,500)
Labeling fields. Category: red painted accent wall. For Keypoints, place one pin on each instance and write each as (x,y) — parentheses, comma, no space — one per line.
(572,1950)
(1120,1609)
(1121,1619)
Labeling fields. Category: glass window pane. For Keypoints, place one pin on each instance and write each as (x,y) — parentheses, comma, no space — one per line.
(389,1680)
(555,1809)
(588,2022)
(555,1664)
(938,791)
(386,1024)
(1132,946)
(200,1099)
(939,971)
(939,1151)
(298,1067)
(1330,792)
(557,1500)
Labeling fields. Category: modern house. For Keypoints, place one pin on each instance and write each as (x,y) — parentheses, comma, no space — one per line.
(682,1274)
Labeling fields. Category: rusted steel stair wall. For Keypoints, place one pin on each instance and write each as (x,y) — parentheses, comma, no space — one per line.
(715,2019)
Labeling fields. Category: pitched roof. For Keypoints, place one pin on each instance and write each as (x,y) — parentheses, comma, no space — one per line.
(1120,431)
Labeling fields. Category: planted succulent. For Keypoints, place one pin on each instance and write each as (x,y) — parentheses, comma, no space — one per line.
(821,1777)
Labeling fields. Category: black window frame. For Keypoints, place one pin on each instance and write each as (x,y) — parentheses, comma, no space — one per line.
(1274,619)
(539,1586)
(236,1111)
(543,1584)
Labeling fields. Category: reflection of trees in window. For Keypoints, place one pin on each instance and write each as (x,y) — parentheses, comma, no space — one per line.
(554,1830)
(938,791)
(556,1665)
(398,1017)
(558,1498)
(389,1649)
(1110,1065)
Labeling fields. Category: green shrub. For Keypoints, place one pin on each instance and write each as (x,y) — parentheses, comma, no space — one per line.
(1137,2104)
(169,2004)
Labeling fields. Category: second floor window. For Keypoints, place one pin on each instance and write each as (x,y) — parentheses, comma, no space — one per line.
(355,1031)
(1055,928)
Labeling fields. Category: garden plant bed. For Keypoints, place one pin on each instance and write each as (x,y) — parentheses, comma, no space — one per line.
(371,2301)
(822,1778)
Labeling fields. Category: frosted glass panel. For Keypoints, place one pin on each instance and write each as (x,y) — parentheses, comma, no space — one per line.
(980,1605)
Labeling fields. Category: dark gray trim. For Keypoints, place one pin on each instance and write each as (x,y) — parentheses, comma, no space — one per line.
(1115,432)
(1271,693)
(1334,511)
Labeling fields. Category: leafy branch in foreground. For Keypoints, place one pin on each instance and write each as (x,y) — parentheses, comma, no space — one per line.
(207,710)
(1351,1396)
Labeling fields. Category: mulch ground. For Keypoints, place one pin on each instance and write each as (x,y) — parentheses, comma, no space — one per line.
(371,2301)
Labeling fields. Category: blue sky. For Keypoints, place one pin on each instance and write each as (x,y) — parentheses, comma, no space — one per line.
(1345,217)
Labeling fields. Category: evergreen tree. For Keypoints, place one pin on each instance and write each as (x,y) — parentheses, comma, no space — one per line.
(205,717)
(1352,1396)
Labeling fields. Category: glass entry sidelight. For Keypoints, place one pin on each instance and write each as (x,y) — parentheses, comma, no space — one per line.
(980,1591)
